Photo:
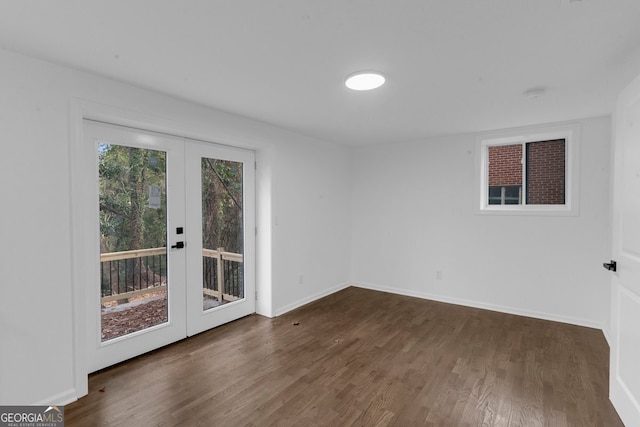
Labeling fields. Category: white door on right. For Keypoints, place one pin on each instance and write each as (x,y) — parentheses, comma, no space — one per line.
(625,307)
(220,221)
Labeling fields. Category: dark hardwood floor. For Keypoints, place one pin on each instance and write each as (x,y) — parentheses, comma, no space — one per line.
(360,357)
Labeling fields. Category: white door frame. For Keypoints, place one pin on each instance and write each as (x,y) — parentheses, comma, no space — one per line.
(81,109)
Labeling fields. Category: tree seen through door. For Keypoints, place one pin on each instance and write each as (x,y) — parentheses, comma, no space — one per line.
(222,231)
(133,239)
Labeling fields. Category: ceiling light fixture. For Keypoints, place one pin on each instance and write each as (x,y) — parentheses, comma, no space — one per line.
(364,80)
(536,92)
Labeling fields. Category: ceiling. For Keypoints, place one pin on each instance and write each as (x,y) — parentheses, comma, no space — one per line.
(452,66)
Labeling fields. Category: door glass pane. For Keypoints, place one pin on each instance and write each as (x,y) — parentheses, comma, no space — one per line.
(222,232)
(133,239)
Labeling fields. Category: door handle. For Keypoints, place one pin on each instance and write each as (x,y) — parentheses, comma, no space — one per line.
(611,266)
(178,245)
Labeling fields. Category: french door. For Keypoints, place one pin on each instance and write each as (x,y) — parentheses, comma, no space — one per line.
(173,239)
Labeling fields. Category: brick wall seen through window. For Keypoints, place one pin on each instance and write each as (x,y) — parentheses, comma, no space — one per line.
(544,181)
(546,172)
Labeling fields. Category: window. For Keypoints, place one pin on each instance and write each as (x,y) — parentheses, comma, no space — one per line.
(505,194)
(529,172)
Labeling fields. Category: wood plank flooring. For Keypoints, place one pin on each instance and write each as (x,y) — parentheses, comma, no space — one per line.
(366,358)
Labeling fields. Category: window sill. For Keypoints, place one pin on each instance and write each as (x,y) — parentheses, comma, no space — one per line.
(520,210)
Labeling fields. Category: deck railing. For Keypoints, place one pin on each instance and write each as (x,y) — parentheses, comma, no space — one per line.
(127,274)
(226,268)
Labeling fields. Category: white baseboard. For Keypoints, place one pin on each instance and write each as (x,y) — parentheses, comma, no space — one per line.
(287,308)
(60,399)
(607,335)
(625,404)
(476,304)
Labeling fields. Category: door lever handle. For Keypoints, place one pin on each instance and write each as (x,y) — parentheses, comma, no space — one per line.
(178,245)
(611,266)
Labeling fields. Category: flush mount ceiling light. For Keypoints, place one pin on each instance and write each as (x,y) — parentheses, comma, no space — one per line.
(534,93)
(364,80)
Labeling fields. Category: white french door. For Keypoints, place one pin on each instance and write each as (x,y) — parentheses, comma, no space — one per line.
(221,249)
(624,374)
(172,239)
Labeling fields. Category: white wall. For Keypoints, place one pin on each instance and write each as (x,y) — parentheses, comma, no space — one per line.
(302,182)
(414,214)
(311,221)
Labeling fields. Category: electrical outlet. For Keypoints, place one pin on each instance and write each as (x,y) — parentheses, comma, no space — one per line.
(438,274)
(300,279)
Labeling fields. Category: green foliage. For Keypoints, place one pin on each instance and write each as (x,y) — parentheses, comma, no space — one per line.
(126,220)
(222,205)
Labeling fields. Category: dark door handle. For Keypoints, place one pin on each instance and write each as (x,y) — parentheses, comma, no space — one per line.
(611,266)
(178,245)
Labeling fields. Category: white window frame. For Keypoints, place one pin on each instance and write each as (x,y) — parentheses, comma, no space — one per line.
(569,132)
